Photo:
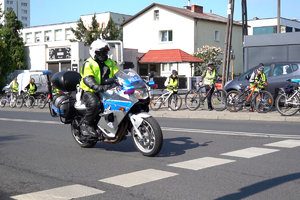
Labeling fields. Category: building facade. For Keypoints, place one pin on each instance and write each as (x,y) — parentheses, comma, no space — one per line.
(165,27)
(20,7)
(268,26)
(48,47)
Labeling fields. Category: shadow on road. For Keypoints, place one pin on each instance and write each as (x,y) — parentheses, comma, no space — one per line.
(260,186)
(178,146)
(6,138)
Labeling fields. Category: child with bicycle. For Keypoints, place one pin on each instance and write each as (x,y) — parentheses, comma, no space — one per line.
(31,87)
(172,82)
(258,79)
(208,78)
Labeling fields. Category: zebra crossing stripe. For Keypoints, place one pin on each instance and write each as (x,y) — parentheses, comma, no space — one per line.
(201,163)
(60,193)
(250,152)
(138,177)
(285,144)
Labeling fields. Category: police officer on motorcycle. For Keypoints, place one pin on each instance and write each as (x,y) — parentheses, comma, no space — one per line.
(94,75)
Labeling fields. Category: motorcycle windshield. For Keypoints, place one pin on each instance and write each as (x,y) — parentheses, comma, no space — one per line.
(132,87)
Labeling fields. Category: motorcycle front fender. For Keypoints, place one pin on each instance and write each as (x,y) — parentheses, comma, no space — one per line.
(137,119)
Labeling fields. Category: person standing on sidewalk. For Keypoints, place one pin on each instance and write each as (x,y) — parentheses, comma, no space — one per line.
(172,83)
(259,79)
(208,79)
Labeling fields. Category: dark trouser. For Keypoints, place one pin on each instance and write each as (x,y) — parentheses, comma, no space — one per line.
(93,107)
(207,87)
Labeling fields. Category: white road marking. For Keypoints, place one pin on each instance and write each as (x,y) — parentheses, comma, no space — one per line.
(233,133)
(201,163)
(60,193)
(183,130)
(30,121)
(139,177)
(250,152)
(285,144)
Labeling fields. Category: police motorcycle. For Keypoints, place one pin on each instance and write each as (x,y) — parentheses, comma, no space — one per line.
(126,108)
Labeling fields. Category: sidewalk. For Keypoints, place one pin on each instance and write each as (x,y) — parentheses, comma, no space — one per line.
(200,114)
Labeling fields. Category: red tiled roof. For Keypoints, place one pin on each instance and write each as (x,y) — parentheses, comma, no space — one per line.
(168,56)
(185,12)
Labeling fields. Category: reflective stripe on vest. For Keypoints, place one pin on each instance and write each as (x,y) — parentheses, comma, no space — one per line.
(209,78)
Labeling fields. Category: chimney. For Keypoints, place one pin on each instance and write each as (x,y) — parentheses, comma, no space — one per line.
(197,9)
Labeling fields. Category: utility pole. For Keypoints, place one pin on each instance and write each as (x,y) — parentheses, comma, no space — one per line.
(278,17)
(244,18)
(228,39)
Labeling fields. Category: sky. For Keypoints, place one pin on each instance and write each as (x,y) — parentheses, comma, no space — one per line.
(45,12)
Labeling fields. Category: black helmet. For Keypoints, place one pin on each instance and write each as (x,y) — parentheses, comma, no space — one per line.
(174,72)
(261,67)
(210,64)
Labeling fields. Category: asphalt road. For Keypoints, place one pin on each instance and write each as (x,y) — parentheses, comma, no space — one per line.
(200,159)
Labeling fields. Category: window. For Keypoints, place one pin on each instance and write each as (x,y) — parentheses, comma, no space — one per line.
(217,36)
(68,34)
(38,36)
(23,4)
(295,67)
(166,36)
(282,69)
(264,30)
(58,35)
(24,11)
(24,18)
(156,14)
(28,38)
(48,36)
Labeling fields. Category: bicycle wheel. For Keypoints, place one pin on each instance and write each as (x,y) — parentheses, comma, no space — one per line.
(19,102)
(156,102)
(42,101)
(233,101)
(263,101)
(13,101)
(192,100)
(29,102)
(218,100)
(2,102)
(287,104)
(175,102)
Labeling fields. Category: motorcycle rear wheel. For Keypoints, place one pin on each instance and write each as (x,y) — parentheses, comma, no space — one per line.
(80,139)
(152,140)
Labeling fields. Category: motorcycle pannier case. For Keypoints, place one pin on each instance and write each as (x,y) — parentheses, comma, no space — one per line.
(66,81)
(63,105)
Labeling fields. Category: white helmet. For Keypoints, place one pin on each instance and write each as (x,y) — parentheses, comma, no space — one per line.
(97,46)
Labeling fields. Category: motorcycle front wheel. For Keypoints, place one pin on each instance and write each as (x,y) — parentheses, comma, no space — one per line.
(152,139)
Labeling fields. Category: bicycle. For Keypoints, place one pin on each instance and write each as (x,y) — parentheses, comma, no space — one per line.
(196,98)
(237,100)
(174,100)
(287,103)
(25,99)
(8,97)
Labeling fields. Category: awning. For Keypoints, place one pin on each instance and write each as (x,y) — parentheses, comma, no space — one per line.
(169,56)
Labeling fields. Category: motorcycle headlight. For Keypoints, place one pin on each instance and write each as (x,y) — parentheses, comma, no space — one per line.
(141,93)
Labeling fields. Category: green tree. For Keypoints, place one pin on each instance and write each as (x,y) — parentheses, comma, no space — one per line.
(208,54)
(87,35)
(12,49)
(111,31)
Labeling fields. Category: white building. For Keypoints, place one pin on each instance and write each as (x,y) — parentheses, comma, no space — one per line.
(162,27)
(20,7)
(48,47)
(269,25)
